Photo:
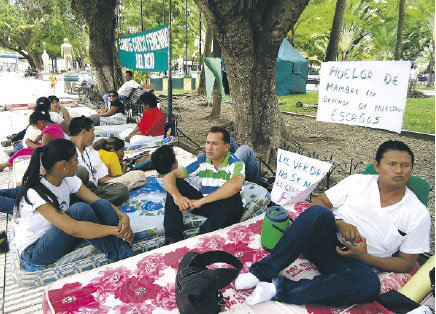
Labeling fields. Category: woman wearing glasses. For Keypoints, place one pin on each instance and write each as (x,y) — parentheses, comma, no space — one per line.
(113,113)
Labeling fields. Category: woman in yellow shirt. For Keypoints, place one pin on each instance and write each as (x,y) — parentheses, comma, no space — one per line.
(111,151)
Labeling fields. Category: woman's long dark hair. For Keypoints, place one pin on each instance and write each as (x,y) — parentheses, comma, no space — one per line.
(108,144)
(47,155)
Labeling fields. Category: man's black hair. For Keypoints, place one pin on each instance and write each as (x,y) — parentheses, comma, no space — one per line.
(163,159)
(148,98)
(130,73)
(224,132)
(78,124)
(393,145)
(113,92)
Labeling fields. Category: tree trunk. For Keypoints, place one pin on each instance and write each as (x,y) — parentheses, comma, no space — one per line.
(430,81)
(250,34)
(201,90)
(335,34)
(216,105)
(400,27)
(101,20)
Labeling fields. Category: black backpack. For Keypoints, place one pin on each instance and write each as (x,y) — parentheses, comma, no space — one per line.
(197,287)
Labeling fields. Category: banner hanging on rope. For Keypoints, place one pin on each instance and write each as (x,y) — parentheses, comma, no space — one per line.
(146,51)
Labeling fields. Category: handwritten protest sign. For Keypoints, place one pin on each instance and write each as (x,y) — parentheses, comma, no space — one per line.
(371,93)
(297,176)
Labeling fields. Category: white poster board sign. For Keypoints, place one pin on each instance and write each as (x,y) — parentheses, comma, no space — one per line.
(297,176)
(366,93)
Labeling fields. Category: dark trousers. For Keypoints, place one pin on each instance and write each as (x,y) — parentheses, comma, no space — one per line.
(343,281)
(219,214)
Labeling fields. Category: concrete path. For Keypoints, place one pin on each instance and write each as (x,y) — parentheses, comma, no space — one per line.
(19,90)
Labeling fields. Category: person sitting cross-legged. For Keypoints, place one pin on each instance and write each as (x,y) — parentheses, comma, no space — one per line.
(380,222)
(113,113)
(47,227)
(222,177)
(91,170)
(152,124)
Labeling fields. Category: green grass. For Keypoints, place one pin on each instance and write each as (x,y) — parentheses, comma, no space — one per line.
(175,91)
(419,115)
(420,86)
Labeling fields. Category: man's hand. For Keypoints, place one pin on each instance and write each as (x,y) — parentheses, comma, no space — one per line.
(183,203)
(349,232)
(357,252)
(123,230)
(197,203)
(128,137)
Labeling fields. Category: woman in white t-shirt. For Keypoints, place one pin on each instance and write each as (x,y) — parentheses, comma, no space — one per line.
(47,227)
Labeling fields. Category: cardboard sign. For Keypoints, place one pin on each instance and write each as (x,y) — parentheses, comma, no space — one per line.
(370,93)
(297,176)
(146,51)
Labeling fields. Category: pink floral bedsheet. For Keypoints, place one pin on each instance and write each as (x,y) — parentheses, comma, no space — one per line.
(146,283)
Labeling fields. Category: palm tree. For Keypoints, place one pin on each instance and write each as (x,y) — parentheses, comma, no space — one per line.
(346,41)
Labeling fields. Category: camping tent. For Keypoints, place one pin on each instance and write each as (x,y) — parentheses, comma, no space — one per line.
(291,70)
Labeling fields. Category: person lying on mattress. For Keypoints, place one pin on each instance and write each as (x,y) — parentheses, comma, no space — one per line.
(111,152)
(222,177)
(47,227)
(363,224)
(152,124)
(91,169)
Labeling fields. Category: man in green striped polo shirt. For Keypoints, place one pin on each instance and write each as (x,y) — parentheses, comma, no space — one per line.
(221,177)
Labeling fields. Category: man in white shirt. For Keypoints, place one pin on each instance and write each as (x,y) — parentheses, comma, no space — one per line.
(349,231)
(414,72)
(125,89)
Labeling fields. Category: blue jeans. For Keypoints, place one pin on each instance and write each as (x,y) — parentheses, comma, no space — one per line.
(7,199)
(106,98)
(343,281)
(19,146)
(248,157)
(55,243)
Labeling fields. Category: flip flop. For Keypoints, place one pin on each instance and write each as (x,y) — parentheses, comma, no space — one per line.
(6,143)
(4,246)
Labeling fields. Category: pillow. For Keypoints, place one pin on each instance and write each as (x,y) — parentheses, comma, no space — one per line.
(132,179)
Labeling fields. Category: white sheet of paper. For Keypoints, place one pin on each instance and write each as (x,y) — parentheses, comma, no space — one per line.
(297,176)
(366,93)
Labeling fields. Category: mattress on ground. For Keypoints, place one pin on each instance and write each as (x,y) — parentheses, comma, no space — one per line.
(112,130)
(146,207)
(146,217)
(19,167)
(146,283)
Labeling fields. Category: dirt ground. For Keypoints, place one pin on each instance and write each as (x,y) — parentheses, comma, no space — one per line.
(345,143)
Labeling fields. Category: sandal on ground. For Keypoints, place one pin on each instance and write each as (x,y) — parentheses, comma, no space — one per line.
(4,246)
(6,143)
